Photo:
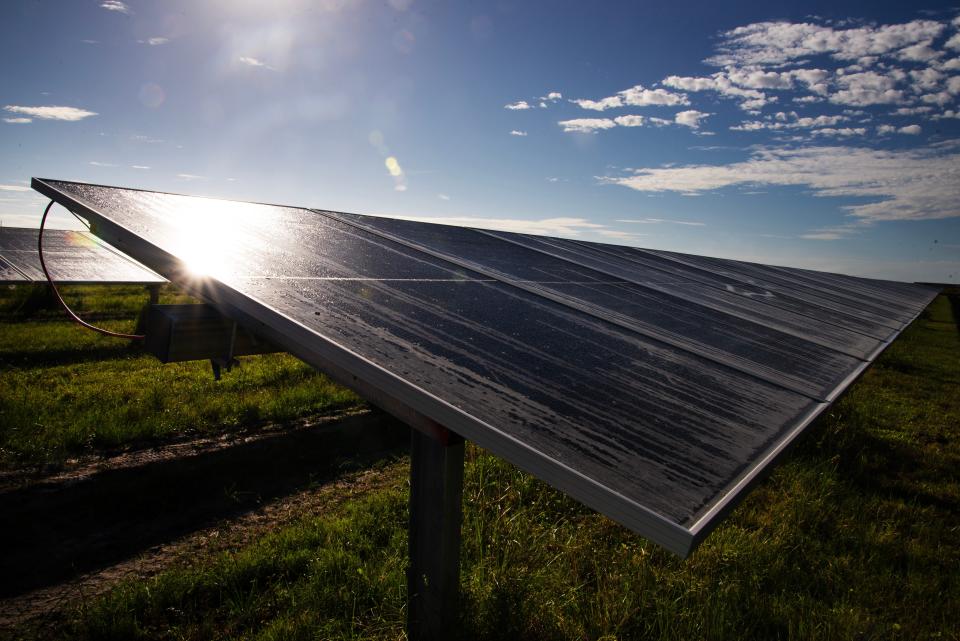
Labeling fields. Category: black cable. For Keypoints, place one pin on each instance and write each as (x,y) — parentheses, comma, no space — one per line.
(43,265)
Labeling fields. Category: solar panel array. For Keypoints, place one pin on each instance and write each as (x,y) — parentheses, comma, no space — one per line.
(75,257)
(651,386)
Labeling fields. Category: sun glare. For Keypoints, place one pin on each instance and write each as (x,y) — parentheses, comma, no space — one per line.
(213,236)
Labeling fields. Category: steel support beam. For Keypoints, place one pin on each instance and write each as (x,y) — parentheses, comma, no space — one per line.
(433,576)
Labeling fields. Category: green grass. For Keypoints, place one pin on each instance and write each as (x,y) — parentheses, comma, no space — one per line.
(66,391)
(855,536)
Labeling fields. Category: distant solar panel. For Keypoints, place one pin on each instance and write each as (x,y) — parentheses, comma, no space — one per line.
(74,257)
(651,386)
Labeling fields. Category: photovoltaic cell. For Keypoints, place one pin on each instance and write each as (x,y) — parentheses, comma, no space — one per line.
(825,294)
(73,257)
(789,361)
(651,389)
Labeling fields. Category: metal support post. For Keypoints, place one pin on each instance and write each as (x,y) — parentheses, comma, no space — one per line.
(154,293)
(433,577)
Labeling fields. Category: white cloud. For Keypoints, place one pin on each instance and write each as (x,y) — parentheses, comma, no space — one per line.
(926,79)
(639,97)
(886,129)
(790,120)
(953,85)
(443,197)
(690,118)
(154,42)
(97,163)
(866,88)
(618,235)
(586,125)
(772,43)
(814,79)
(552,96)
(757,78)
(191,177)
(115,5)
(949,114)
(603,104)
(139,167)
(822,235)
(52,112)
(911,130)
(14,188)
(517,132)
(941,98)
(842,132)
(630,121)
(636,96)
(657,221)
(912,111)
(953,42)
(719,82)
(544,226)
(18,121)
(920,52)
(909,184)
(254,62)
(520,104)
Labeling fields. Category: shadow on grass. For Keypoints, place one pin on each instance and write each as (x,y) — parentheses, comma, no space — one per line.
(61,357)
(53,533)
(954,299)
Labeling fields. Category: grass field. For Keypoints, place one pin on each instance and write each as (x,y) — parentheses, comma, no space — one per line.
(66,391)
(855,536)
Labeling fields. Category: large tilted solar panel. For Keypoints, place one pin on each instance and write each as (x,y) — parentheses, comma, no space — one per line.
(654,387)
(74,257)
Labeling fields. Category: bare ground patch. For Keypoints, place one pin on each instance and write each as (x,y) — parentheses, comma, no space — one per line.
(74,534)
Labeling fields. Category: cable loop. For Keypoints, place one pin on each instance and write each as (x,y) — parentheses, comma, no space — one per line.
(53,285)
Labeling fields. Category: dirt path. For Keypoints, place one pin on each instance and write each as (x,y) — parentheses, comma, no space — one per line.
(77,533)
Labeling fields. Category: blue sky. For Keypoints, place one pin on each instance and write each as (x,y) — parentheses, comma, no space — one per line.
(821,135)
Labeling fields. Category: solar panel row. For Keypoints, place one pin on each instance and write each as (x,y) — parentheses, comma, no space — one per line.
(652,386)
(74,257)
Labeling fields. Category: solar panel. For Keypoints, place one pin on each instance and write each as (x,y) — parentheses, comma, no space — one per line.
(652,387)
(74,257)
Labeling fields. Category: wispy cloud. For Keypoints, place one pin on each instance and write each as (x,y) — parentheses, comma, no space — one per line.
(191,177)
(52,112)
(14,188)
(518,105)
(97,163)
(586,125)
(443,197)
(517,132)
(900,184)
(544,226)
(18,121)
(250,61)
(690,118)
(116,5)
(139,167)
(910,130)
(154,42)
(771,43)
(550,98)
(636,96)
(658,221)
